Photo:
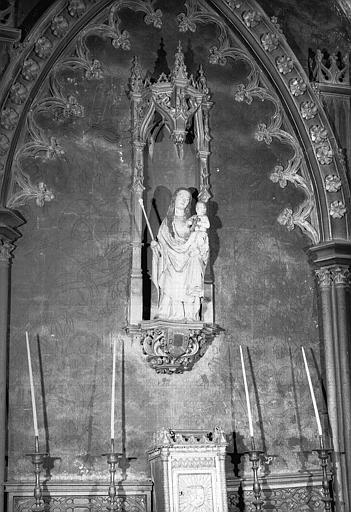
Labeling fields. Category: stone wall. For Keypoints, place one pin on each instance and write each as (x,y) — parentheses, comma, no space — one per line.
(70,281)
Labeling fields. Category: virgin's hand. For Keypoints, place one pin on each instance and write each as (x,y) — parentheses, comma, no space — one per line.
(156,248)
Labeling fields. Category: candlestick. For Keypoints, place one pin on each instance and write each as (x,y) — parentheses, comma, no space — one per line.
(34,408)
(246,394)
(112,460)
(113,390)
(319,426)
(323,455)
(254,456)
(37,461)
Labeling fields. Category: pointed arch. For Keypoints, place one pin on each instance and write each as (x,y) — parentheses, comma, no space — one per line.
(262,37)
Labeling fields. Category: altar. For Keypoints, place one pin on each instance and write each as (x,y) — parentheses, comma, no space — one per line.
(187,469)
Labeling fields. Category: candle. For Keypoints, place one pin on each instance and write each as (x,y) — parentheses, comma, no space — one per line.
(246,393)
(113,390)
(319,426)
(34,408)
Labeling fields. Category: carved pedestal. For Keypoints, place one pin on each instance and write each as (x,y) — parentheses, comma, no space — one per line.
(187,470)
(172,347)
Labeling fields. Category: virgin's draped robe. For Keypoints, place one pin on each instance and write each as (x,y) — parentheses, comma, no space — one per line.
(178,269)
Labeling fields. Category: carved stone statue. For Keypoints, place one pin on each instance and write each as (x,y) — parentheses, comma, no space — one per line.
(180,257)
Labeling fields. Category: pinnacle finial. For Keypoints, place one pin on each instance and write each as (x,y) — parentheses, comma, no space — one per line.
(179,69)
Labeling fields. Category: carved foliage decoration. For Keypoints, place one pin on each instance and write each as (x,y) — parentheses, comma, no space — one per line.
(120,39)
(39,144)
(282,175)
(31,59)
(42,146)
(169,349)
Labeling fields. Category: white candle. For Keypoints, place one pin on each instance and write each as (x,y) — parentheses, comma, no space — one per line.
(247,394)
(319,426)
(34,408)
(113,390)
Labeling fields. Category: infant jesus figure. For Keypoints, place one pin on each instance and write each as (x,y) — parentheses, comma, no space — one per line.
(199,222)
(198,225)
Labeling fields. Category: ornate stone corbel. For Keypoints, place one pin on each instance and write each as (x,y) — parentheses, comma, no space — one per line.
(172,347)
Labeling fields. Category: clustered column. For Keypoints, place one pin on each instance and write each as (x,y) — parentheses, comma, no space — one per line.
(334,287)
(5,262)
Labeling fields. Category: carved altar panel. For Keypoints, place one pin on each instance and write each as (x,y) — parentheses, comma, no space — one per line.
(79,496)
(188,471)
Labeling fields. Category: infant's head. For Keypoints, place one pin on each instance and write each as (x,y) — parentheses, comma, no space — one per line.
(200,208)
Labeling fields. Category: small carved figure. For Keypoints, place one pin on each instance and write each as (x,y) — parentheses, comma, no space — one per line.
(180,257)
(199,222)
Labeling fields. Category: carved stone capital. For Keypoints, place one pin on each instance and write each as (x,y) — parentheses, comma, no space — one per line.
(324,277)
(341,276)
(6,249)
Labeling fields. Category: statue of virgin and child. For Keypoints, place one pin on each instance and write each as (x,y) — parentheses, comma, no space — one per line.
(180,256)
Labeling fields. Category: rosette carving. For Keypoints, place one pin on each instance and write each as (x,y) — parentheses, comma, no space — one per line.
(318,134)
(270,42)
(30,69)
(319,137)
(8,118)
(43,47)
(18,93)
(4,144)
(76,8)
(284,64)
(297,87)
(324,153)
(337,209)
(332,183)
(308,110)
(251,18)
(59,26)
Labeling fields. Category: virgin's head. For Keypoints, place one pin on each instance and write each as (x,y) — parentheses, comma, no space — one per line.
(181,200)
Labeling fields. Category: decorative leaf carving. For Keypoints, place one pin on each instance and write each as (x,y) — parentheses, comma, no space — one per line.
(120,39)
(219,54)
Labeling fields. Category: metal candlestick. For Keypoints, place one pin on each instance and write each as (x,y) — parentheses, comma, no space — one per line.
(254,456)
(37,461)
(112,459)
(323,454)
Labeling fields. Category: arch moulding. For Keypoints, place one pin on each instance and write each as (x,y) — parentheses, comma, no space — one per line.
(324,180)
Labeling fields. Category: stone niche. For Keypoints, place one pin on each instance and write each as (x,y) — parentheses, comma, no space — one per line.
(187,469)
(177,104)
